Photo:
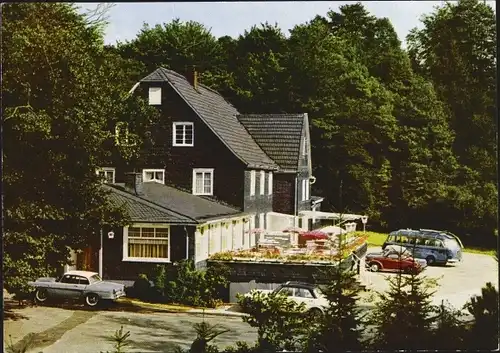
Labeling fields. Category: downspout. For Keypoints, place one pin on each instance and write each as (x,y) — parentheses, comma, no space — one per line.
(100,254)
(295,204)
(187,243)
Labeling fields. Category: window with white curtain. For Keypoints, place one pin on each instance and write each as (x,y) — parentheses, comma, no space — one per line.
(252,182)
(270,183)
(203,181)
(146,243)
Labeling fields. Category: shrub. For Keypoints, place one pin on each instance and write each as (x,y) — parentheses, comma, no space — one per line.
(484,330)
(189,286)
(143,289)
(280,321)
(402,319)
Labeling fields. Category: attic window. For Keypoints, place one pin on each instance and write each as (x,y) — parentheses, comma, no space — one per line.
(154,95)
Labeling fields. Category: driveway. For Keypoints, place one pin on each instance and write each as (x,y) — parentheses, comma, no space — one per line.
(83,331)
(456,283)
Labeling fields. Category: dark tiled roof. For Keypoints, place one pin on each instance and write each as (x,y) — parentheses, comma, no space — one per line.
(219,115)
(279,135)
(141,210)
(193,206)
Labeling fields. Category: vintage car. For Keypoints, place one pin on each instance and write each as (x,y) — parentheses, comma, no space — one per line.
(77,285)
(299,292)
(394,259)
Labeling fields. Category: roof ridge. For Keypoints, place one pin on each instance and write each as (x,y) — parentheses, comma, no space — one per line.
(199,84)
(148,202)
(210,127)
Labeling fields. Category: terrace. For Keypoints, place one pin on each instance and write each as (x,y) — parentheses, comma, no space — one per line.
(328,245)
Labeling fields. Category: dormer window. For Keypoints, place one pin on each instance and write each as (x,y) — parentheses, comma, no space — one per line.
(183,134)
(153,175)
(154,95)
(107,175)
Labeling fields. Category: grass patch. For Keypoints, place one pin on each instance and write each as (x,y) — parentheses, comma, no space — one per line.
(374,238)
(154,306)
(490,252)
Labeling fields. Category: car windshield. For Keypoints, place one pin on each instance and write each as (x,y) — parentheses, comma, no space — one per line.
(95,278)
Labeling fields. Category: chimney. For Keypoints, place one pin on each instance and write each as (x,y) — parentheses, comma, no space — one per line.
(133,182)
(192,77)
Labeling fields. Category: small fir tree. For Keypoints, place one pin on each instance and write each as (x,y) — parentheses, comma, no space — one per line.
(338,329)
(483,333)
(403,319)
(449,331)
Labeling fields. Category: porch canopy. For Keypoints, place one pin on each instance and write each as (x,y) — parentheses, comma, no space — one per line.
(330,215)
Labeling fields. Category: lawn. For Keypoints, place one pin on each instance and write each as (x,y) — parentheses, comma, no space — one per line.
(374,238)
(377,239)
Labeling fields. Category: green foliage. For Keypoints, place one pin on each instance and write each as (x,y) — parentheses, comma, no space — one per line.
(281,323)
(57,108)
(449,332)
(484,331)
(121,340)
(402,318)
(189,286)
(339,328)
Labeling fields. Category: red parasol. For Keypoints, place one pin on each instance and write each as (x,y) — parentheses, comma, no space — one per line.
(314,235)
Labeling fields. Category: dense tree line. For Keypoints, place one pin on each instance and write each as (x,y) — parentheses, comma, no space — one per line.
(406,136)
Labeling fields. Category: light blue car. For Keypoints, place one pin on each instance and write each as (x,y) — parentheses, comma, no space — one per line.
(77,285)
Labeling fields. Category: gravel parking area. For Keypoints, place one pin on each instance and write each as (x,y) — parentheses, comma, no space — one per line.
(456,282)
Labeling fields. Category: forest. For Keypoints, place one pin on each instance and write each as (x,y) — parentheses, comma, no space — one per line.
(407,136)
(404,134)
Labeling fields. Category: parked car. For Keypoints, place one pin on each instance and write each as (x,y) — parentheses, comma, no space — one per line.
(394,259)
(77,285)
(299,292)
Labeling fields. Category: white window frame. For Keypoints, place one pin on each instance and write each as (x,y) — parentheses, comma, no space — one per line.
(252,183)
(145,259)
(270,183)
(307,189)
(182,124)
(106,170)
(144,171)
(303,189)
(203,170)
(154,95)
(262,183)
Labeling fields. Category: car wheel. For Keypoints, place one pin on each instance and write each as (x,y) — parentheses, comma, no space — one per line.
(374,267)
(430,260)
(315,313)
(41,295)
(92,300)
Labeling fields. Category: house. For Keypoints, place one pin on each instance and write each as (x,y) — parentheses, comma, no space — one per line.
(167,225)
(256,163)
(206,170)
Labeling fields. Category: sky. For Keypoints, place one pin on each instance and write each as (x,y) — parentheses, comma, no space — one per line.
(233,18)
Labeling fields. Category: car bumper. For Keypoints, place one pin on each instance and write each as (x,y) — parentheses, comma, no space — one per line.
(114,296)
